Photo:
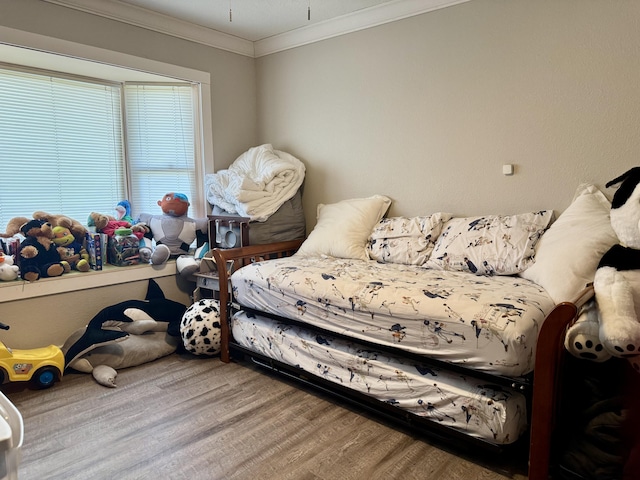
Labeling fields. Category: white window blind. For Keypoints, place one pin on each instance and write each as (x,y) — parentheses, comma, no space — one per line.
(60,145)
(160,123)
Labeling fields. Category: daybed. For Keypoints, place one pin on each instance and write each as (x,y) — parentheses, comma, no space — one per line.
(442,322)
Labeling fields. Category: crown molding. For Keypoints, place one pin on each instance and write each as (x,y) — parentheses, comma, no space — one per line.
(158,22)
(360,20)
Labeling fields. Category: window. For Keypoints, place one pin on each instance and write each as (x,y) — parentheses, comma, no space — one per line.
(160,142)
(75,145)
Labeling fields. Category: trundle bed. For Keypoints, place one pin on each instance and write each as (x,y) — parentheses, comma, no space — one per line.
(438,348)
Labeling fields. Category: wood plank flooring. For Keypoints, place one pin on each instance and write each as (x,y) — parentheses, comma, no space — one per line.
(186,417)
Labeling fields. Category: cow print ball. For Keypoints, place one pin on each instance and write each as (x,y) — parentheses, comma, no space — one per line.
(200,327)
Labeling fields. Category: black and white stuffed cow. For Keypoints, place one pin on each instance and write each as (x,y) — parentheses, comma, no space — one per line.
(610,326)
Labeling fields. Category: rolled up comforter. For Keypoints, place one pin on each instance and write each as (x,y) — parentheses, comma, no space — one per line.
(257,183)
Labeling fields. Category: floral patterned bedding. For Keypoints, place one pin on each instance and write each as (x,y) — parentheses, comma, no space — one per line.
(481,322)
(474,407)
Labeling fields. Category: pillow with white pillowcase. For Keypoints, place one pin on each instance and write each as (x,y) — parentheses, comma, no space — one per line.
(490,244)
(568,254)
(405,240)
(343,228)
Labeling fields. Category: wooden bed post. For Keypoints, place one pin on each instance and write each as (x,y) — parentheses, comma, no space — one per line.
(223,281)
(227,262)
(547,388)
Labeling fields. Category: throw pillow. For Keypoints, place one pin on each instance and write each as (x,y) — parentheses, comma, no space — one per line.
(489,245)
(343,228)
(569,252)
(404,240)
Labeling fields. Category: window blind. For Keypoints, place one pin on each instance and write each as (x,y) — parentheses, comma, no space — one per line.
(61,146)
(160,123)
(62,143)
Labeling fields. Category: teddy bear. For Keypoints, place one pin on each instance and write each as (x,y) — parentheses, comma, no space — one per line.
(77,229)
(70,250)
(609,325)
(8,271)
(13,226)
(39,256)
(173,231)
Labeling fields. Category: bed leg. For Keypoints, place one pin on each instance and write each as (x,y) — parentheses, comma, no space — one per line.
(546,392)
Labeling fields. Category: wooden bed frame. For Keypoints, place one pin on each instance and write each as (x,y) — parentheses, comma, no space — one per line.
(546,389)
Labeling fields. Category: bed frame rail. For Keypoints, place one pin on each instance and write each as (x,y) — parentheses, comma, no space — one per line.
(550,351)
(230,260)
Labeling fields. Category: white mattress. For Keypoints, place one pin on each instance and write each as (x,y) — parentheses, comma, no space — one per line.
(485,323)
(474,407)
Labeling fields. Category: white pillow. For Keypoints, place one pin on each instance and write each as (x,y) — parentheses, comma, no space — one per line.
(404,240)
(343,228)
(569,252)
(489,245)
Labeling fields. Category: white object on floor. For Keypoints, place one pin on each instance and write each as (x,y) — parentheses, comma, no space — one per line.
(11,436)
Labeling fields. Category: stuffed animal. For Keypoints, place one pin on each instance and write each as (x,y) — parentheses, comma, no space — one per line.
(77,229)
(124,335)
(200,327)
(13,226)
(39,256)
(611,325)
(123,211)
(108,224)
(70,250)
(173,231)
(187,265)
(8,271)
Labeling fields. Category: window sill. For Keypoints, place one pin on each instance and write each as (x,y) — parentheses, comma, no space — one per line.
(74,281)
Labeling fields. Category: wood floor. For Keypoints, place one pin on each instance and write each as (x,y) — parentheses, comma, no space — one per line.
(186,417)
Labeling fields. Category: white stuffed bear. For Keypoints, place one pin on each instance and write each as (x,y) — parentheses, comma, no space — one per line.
(611,326)
(8,271)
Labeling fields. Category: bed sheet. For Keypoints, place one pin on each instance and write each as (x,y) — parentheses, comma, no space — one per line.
(474,407)
(485,323)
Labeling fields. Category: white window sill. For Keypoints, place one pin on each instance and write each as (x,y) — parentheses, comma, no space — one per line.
(74,281)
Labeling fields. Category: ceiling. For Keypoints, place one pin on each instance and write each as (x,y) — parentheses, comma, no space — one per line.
(254,20)
(256,27)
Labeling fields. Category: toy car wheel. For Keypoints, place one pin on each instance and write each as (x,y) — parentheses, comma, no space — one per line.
(45,377)
(3,376)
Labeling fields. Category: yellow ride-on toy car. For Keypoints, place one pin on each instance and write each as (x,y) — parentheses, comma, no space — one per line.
(42,366)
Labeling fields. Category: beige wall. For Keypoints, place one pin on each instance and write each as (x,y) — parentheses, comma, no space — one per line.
(41,321)
(428,109)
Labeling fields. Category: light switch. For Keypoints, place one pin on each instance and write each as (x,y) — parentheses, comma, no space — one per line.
(507,169)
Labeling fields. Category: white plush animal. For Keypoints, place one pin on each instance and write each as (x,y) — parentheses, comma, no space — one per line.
(611,326)
(8,271)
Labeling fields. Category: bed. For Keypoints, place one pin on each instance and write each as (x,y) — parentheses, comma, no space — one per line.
(449,347)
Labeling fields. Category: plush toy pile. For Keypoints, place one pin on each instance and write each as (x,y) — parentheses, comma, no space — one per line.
(39,256)
(50,246)
(609,325)
(602,423)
